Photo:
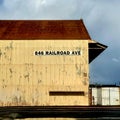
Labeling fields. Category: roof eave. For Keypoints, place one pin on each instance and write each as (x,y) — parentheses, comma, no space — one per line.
(95,49)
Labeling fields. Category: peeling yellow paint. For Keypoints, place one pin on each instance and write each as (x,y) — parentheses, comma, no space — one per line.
(26,79)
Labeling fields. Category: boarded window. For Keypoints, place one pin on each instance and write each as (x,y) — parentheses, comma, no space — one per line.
(66,93)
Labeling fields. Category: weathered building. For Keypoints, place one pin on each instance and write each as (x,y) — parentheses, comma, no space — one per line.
(45,62)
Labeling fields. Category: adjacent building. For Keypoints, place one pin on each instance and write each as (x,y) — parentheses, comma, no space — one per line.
(104,95)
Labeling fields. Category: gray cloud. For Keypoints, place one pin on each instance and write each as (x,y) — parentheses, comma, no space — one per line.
(101,18)
(116,60)
(38,9)
(105,28)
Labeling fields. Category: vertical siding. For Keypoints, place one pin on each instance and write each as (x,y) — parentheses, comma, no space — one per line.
(106,96)
(26,79)
(94,96)
(99,96)
(110,96)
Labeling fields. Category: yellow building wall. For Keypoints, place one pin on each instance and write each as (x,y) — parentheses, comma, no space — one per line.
(27,79)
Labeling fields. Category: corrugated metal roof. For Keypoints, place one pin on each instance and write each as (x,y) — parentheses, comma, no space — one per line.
(42,29)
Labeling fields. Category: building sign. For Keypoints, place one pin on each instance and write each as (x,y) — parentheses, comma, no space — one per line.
(40,53)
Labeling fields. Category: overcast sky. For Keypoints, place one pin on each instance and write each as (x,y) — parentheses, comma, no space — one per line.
(101,17)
